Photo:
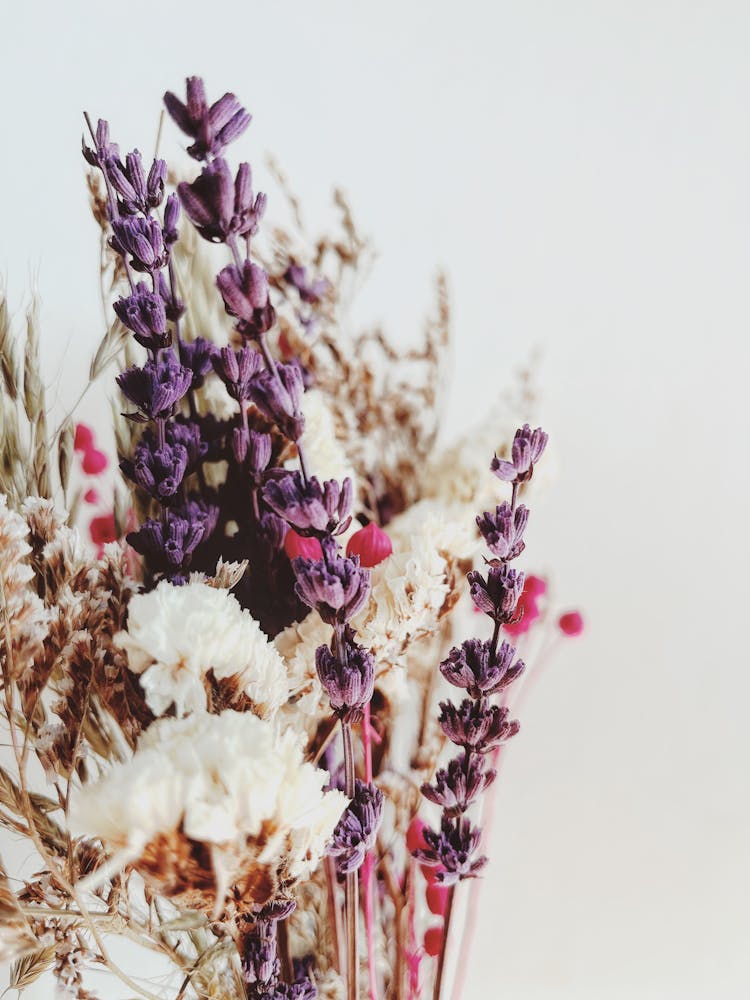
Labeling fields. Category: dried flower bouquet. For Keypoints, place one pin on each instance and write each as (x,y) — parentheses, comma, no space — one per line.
(226,739)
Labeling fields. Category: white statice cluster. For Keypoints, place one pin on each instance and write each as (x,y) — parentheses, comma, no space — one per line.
(410,588)
(175,635)
(324,452)
(297,645)
(230,780)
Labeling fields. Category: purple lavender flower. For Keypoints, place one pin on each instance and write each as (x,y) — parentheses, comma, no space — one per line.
(348,678)
(186,433)
(137,192)
(168,544)
(475,667)
(476,725)
(260,964)
(245,294)
(158,470)
(219,206)
(309,291)
(259,452)
(453,847)
(212,128)
(142,239)
(311,509)
(335,586)
(237,370)
(144,313)
(357,830)
(171,218)
(156,387)
(526,450)
(456,787)
(278,396)
(503,530)
(104,149)
(197,355)
(498,593)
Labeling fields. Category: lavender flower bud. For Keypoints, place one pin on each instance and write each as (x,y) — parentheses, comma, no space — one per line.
(476,725)
(472,666)
(197,356)
(496,595)
(273,529)
(209,201)
(144,314)
(310,508)
(453,847)
(237,370)
(348,678)
(171,218)
(260,963)
(245,294)
(278,397)
(142,239)
(156,387)
(456,787)
(240,441)
(259,450)
(213,128)
(168,544)
(357,830)
(159,471)
(309,291)
(526,450)
(334,586)
(503,530)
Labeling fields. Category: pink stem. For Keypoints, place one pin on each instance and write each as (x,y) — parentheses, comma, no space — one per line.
(472,915)
(368,867)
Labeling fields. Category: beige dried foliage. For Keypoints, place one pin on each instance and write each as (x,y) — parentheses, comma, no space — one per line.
(16,935)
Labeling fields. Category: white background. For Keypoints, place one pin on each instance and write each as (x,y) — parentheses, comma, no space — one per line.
(583,171)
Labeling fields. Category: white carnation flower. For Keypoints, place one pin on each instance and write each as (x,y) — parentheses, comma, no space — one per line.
(231,781)
(175,635)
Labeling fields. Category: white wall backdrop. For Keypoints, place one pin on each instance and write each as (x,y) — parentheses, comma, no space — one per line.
(583,172)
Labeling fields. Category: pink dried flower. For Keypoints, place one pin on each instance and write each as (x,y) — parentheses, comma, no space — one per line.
(371,544)
(571,623)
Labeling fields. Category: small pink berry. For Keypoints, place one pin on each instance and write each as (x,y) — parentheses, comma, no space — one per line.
(437,898)
(91,496)
(535,586)
(102,529)
(571,623)
(84,438)
(296,546)
(415,834)
(94,462)
(431,873)
(433,940)
(371,544)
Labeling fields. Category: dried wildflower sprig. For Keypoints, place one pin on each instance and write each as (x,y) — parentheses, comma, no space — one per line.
(481,668)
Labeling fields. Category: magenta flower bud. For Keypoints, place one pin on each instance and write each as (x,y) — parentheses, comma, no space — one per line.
(371,544)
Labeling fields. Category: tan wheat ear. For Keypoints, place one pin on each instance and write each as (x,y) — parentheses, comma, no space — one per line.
(16,937)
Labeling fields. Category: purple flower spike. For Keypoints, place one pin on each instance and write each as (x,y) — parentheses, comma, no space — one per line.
(311,509)
(279,396)
(144,314)
(453,847)
(138,193)
(459,785)
(168,544)
(237,370)
(348,684)
(260,964)
(245,294)
(259,452)
(357,829)
(309,291)
(335,586)
(476,725)
(212,128)
(473,666)
(156,387)
(526,450)
(503,530)
(496,595)
(171,218)
(142,239)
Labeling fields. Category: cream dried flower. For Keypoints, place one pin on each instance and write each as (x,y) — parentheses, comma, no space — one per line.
(176,635)
(230,782)
(324,452)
